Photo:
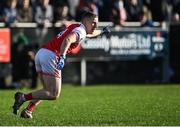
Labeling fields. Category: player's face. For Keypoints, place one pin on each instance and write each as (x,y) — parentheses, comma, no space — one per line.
(92,25)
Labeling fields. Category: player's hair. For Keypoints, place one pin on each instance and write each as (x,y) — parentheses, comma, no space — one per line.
(88,15)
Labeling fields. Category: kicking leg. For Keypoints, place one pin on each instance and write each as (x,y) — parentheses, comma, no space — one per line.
(51,91)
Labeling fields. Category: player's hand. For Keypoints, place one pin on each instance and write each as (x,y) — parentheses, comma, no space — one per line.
(61,62)
(105,30)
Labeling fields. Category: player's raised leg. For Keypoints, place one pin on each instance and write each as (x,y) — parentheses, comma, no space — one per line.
(51,91)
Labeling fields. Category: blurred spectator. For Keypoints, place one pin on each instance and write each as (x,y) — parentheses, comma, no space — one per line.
(73,6)
(86,5)
(10,13)
(34,4)
(2,5)
(134,10)
(1,16)
(118,16)
(23,66)
(44,13)
(176,11)
(80,9)
(44,18)
(62,12)
(25,13)
(146,20)
(105,10)
(93,7)
(20,62)
(159,10)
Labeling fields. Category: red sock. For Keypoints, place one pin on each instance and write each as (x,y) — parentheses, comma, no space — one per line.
(28,96)
(31,107)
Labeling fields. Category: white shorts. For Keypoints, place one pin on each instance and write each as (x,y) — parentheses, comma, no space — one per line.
(46,63)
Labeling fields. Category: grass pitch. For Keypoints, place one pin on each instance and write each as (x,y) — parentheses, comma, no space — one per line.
(120,105)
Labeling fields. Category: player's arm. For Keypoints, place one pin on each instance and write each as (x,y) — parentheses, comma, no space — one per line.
(97,33)
(71,38)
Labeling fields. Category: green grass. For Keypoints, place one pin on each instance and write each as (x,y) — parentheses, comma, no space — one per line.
(121,105)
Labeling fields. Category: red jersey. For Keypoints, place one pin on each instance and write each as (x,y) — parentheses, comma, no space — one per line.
(55,44)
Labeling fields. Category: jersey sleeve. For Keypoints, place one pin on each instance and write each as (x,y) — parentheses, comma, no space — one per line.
(80,33)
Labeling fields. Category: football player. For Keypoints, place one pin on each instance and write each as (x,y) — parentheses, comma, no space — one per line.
(50,60)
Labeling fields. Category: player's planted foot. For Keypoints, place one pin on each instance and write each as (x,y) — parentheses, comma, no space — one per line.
(26,114)
(18,102)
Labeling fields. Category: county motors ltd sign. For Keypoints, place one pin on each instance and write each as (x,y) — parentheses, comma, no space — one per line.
(126,45)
